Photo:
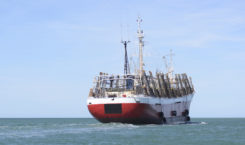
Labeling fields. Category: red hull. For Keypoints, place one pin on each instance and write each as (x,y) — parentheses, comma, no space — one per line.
(134,113)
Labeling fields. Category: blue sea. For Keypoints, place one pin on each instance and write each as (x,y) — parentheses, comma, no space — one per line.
(81,131)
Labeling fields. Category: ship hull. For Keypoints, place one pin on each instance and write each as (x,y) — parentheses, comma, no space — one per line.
(132,113)
(140,110)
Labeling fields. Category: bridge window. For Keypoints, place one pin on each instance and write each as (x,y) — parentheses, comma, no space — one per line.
(173,113)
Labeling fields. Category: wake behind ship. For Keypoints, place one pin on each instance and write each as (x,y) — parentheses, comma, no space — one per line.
(141,97)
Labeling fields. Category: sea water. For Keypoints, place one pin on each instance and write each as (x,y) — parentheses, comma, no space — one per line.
(201,131)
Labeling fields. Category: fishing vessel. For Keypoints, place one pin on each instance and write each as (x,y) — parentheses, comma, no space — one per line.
(141,97)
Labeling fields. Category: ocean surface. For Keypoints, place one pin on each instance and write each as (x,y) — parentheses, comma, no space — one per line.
(201,131)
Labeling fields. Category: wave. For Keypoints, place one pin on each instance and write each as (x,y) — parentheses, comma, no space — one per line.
(42,130)
(203,123)
(112,126)
(197,123)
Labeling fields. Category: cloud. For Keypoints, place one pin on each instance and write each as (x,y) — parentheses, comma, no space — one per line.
(204,40)
(202,28)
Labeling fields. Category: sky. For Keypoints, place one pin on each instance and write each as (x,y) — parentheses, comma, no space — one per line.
(51,50)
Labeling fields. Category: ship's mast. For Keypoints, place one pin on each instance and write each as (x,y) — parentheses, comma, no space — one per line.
(126,63)
(141,45)
(169,66)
